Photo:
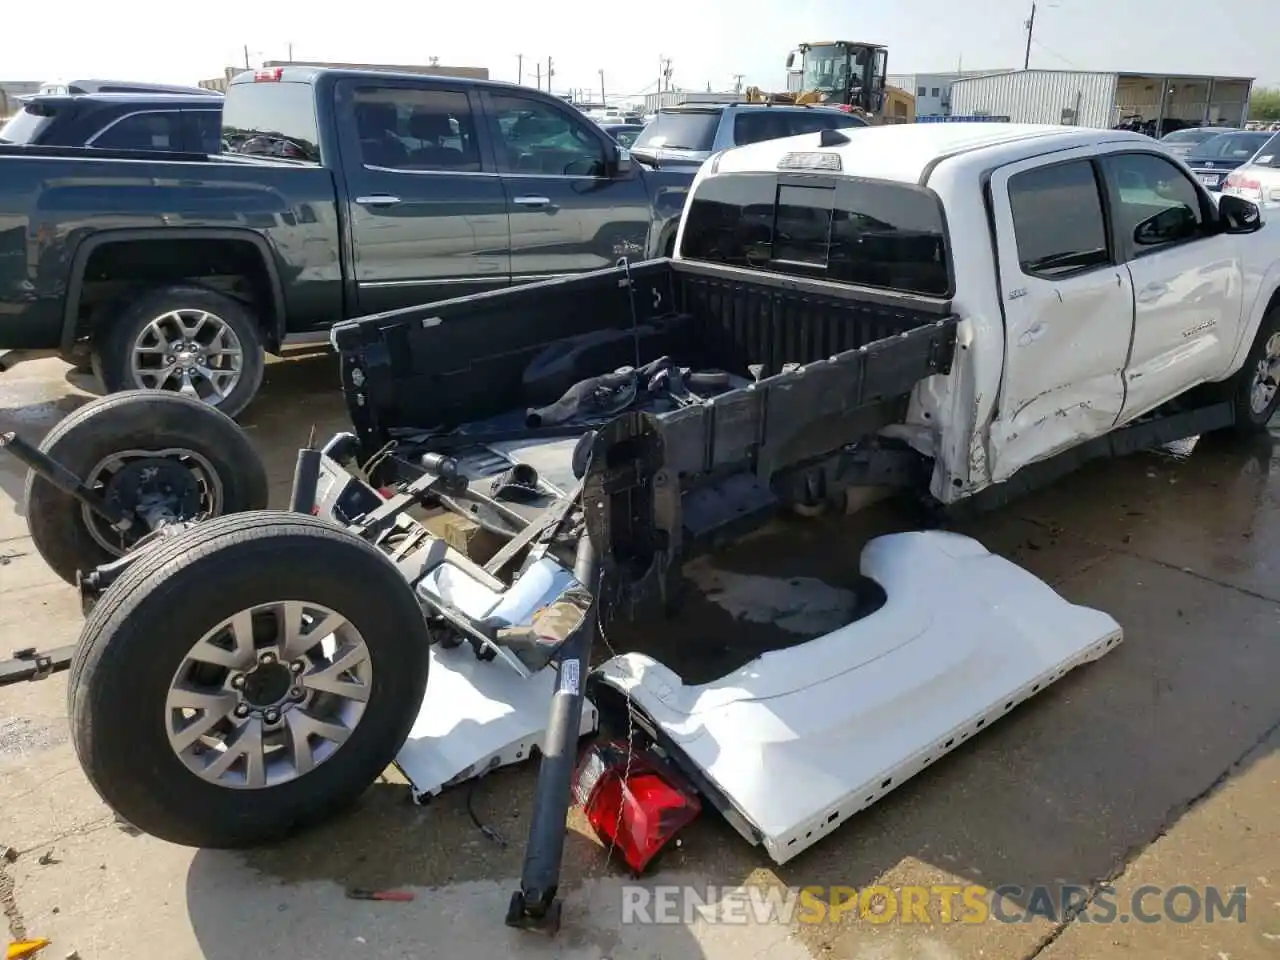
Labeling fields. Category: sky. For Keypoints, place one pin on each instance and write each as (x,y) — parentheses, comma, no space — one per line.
(708,41)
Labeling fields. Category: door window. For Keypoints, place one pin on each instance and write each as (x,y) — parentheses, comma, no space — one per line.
(142,131)
(1155,203)
(537,138)
(1057,220)
(408,128)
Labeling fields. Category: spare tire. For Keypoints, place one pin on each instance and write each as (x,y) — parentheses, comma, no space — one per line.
(248,677)
(143,449)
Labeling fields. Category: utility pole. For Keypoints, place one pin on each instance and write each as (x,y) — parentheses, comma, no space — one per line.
(291,53)
(550,72)
(520,68)
(1031,27)
(737,82)
(603,101)
(538,76)
(246,57)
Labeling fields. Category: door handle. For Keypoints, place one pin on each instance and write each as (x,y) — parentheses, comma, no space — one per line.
(532,201)
(378,200)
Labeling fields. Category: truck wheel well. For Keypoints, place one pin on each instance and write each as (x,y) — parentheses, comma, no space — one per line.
(116,271)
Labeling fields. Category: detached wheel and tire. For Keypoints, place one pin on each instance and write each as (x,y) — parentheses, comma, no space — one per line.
(145,451)
(249,677)
(186,339)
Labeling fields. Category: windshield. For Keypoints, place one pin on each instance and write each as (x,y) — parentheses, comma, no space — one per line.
(1232,146)
(680,130)
(826,69)
(25,126)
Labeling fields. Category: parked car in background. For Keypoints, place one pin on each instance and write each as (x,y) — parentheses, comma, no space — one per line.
(119,86)
(686,135)
(343,193)
(624,133)
(1182,142)
(188,123)
(1258,181)
(1212,159)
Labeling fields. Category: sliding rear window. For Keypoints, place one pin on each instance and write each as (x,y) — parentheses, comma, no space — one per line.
(872,233)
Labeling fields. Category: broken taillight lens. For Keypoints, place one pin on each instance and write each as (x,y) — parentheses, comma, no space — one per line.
(636,810)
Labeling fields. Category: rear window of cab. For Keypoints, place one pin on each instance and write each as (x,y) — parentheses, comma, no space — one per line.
(873,233)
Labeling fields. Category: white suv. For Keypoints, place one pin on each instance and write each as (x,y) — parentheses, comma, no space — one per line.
(1259,179)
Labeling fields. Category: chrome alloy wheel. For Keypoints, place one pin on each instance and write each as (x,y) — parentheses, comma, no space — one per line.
(1263,389)
(268,695)
(190,351)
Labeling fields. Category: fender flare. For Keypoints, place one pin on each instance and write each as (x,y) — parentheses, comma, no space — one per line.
(86,248)
(1268,297)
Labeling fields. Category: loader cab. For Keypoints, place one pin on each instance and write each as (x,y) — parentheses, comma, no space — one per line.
(843,72)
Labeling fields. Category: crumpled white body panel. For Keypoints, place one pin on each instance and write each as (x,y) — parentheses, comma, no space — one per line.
(800,739)
(475,717)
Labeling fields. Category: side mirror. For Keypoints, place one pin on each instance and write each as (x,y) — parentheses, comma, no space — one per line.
(621,161)
(1238,215)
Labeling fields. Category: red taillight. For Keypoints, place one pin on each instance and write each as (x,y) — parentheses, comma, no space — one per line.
(268,76)
(637,811)
(387,493)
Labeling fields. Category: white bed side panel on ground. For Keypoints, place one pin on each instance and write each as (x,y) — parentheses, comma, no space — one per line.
(800,739)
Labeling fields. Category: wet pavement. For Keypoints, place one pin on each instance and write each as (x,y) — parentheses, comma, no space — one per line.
(1152,769)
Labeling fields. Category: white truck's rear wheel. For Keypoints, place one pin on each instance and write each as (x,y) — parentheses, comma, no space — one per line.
(248,677)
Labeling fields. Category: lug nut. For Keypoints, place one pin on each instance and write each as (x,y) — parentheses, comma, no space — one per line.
(242,710)
(298,666)
(297,693)
(271,716)
(237,682)
(267,657)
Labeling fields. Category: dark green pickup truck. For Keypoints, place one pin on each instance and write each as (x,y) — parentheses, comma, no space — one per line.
(338,194)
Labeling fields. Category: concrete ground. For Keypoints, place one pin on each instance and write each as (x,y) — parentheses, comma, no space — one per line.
(1154,768)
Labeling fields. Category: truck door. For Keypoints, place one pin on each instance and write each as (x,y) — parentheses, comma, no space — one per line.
(426,209)
(1068,311)
(1187,279)
(569,212)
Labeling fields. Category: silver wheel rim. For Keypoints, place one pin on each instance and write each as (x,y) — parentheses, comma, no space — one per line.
(268,695)
(1265,381)
(99,478)
(192,352)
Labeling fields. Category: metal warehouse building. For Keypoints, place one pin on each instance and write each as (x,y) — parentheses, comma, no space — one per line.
(1077,97)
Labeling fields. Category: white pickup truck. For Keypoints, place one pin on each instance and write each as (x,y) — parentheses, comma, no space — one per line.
(951,307)
(1094,279)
